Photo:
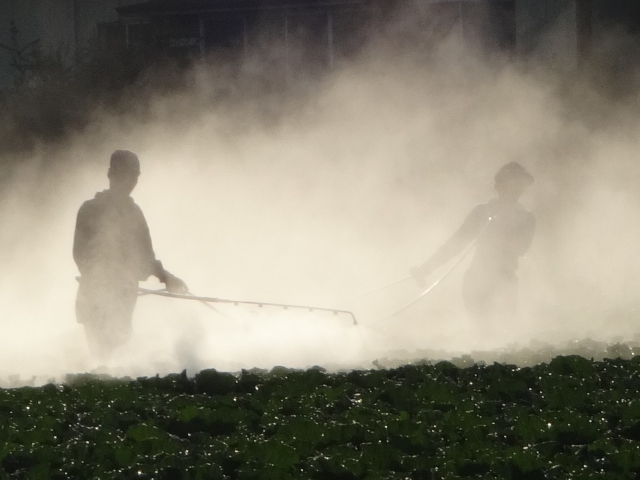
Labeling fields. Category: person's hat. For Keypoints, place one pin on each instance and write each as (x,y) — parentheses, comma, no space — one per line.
(124,162)
(513,171)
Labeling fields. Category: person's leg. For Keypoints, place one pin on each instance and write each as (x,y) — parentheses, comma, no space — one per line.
(98,341)
(505,304)
(477,297)
(107,318)
(476,294)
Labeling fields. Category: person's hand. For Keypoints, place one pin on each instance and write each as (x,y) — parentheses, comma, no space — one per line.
(175,285)
(418,273)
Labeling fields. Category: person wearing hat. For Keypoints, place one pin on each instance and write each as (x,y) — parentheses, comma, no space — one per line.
(502,230)
(113,251)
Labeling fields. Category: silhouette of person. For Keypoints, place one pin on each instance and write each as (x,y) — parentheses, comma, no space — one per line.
(502,230)
(113,251)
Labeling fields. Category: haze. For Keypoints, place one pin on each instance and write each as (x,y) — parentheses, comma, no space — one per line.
(319,195)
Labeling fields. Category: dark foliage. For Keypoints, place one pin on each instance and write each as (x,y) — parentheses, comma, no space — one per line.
(570,418)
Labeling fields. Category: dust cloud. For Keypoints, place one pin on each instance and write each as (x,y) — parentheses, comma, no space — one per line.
(318,196)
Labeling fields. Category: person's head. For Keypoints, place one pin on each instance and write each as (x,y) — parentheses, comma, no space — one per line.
(512,180)
(124,169)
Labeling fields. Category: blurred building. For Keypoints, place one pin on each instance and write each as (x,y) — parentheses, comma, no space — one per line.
(59,27)
(311,32)
(316,33)
(555,32)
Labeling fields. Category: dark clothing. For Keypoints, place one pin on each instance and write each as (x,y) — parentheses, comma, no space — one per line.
(112,248)
(106,312)
(503,231)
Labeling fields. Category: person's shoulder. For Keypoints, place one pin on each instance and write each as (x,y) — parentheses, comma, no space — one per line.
(92,203)
(134,206)
(481,210)
(478,215)
(483,207)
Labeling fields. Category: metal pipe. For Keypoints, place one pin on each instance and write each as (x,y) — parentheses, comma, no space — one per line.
(431,287)
(286,306)
(464,255)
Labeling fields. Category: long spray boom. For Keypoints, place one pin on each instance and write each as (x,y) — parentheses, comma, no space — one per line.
(464,255)
(430,288)
(208,300)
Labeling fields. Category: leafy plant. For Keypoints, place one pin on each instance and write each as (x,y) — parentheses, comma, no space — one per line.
(569,418)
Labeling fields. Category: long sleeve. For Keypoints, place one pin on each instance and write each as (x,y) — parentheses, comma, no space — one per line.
(468,231)
(149,265)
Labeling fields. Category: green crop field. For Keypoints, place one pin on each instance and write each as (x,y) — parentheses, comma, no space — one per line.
(572,417)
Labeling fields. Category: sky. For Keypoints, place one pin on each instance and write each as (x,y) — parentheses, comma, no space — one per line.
(322,195)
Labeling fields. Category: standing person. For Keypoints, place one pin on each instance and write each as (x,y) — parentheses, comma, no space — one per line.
(113,251)
(502,230)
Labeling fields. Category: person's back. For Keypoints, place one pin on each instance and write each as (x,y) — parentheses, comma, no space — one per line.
(112,240)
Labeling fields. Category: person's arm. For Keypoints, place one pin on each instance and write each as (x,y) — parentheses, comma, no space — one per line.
(173,283)
(468,232)
(153,266)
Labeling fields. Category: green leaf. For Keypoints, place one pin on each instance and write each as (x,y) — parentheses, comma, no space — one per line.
(280,455)
(303,434)
(379,455)
(143,432)
(124,455)
(40,472)
(189,412)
